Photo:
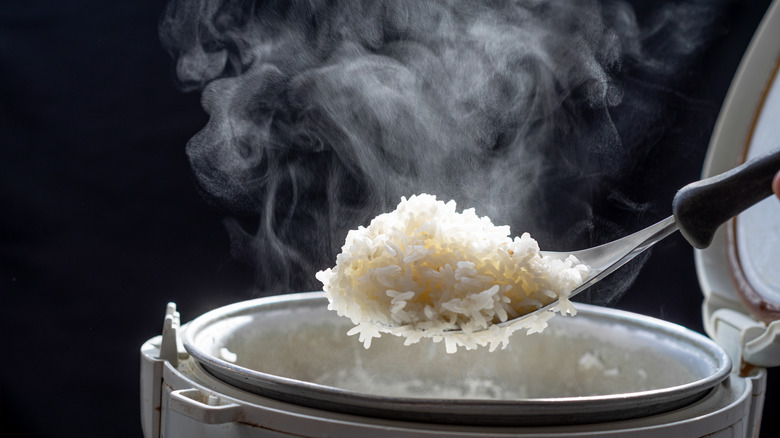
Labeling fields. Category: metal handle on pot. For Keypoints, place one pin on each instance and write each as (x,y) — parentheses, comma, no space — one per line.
(701,207)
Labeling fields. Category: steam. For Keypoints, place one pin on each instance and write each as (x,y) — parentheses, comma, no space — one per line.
(323,114)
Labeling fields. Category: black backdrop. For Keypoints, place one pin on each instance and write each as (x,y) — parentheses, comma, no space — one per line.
(101,223)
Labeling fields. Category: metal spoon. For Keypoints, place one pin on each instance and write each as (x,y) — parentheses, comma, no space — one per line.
(699,209)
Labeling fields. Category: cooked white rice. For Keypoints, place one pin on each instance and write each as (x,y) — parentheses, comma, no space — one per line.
(425,270)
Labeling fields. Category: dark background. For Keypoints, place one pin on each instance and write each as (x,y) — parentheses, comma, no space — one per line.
(101,223)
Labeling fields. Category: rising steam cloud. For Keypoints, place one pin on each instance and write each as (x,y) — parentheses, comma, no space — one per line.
(324,113)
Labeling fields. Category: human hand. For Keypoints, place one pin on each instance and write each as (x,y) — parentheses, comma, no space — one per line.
(776,184)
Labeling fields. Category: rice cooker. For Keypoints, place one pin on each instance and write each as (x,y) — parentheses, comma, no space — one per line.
(283,366)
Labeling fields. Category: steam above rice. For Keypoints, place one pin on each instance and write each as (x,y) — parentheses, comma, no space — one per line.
(425,270)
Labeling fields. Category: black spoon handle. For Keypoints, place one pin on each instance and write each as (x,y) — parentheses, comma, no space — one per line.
(701,207)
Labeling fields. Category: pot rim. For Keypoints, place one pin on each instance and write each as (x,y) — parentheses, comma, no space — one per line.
(526,412)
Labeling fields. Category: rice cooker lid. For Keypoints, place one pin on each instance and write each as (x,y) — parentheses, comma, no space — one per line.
(739,272)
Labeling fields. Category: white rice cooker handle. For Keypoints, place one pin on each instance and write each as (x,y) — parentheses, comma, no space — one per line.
(746,340)
(204,408)
(764,350)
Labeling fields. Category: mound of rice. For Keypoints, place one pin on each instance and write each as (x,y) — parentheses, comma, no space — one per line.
(425,270)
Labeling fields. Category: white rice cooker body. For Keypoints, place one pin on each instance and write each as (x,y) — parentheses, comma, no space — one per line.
(180,398)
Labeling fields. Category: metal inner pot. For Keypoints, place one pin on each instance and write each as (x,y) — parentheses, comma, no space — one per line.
(601,365)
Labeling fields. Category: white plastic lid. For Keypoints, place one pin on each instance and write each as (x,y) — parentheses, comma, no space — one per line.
(740,272)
